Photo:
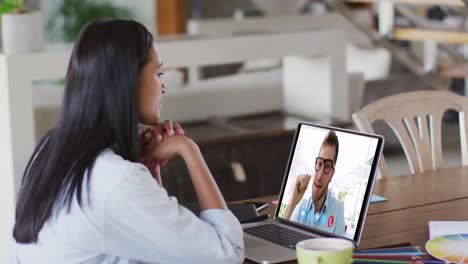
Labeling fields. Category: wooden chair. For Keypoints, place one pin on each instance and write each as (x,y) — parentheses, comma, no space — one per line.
(416,119)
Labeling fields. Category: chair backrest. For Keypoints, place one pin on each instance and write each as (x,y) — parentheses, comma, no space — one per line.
(416,119)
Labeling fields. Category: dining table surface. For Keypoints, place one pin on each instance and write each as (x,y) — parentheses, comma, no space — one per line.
(413,201)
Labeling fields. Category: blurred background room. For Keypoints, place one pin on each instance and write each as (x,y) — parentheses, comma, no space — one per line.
(241,74)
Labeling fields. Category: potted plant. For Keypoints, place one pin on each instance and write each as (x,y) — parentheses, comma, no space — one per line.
(21,30)
(70,16)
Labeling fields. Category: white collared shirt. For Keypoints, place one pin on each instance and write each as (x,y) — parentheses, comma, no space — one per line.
(131,219)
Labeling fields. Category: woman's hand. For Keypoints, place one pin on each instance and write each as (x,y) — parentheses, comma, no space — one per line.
(155,134)
(171,144)
(178,145)
(150,138)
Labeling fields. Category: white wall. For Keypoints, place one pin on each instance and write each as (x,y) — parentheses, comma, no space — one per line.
(143,10)
(7,192)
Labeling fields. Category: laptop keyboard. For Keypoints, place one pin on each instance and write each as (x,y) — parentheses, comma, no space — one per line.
(277,234)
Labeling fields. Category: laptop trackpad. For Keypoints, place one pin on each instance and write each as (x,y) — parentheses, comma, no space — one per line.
(251,243)
(259,251)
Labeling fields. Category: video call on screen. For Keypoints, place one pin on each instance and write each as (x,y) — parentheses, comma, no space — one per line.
(336,184)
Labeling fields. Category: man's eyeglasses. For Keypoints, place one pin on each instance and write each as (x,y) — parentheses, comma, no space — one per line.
(327,164)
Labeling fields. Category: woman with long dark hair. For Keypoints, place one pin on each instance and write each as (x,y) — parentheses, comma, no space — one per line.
(85,195)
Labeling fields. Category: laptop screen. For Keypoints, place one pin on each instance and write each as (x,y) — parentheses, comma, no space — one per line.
(329,179)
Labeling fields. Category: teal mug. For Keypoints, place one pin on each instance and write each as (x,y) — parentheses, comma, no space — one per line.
(324,251)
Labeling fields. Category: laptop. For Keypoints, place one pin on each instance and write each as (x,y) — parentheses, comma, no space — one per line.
(326,192)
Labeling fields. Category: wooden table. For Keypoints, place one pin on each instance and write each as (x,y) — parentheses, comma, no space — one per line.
(412,202)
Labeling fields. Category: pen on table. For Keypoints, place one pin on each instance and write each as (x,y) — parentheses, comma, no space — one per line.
(436,261)
(262,207)
(404,244)
(390,253)
(388,257)
(388,250)
(381,261)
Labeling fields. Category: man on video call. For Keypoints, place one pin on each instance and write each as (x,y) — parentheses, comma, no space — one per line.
(321,210)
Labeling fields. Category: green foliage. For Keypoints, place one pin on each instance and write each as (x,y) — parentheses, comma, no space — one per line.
(11,6)
(72,15)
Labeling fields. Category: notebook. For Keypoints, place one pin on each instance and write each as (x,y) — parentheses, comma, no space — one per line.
(342,166)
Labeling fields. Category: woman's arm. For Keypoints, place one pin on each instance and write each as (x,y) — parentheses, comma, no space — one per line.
(143,223)
(207,191)
(160,137)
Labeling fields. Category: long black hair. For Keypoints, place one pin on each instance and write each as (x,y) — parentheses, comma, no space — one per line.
(99,111)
